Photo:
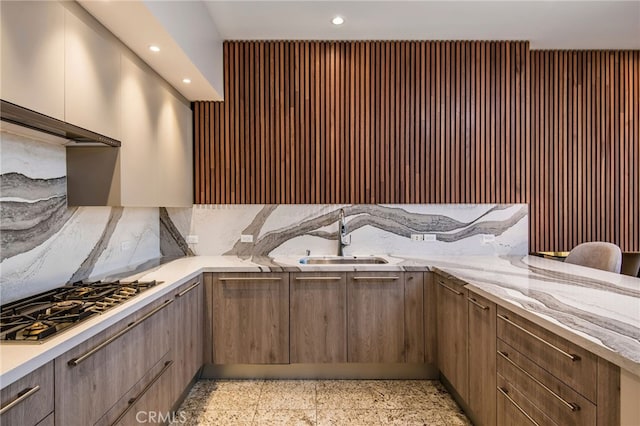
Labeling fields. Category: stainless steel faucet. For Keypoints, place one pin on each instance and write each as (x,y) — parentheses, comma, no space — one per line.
(343,241)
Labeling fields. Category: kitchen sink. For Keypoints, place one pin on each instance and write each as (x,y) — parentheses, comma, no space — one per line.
(343,260)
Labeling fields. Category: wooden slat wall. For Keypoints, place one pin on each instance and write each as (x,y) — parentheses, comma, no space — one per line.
(585,117)
(366,122)
(430,122)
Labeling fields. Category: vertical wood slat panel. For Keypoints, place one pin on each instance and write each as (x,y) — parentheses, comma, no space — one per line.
(380,122)
(430,122)
(585,138)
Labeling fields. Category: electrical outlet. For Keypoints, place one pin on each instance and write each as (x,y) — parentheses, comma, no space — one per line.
(125,246)
(488,238)
(192,239)
(244,238)
(430,238)
(417,237)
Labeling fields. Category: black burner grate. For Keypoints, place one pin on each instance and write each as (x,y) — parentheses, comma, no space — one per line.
(35,318)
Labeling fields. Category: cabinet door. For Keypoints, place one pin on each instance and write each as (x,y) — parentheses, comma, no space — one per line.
(106,367)
(430,318)
(32,55)
(318,317)
(187,334)
(156,153)
(92,74)
(31,398)
(375,317)
(482,359)
(452,334)
(414,317)
(175,154)
(139,153)
(250,318)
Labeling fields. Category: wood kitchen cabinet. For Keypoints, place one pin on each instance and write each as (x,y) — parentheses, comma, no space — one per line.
(95,381)
(375,317)
(32,55)
(91,74)
(482,359)
(250,314)
(549,380)
(29,400)
(187,334)
(452,331)
(318,317)
(414,313)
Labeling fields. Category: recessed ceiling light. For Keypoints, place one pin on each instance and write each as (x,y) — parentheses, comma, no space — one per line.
(338,20)
(186,80)
(154,48)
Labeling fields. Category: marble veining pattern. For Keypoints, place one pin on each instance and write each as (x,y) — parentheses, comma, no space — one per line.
(172,241)
(601,307)
(43,242)
(319,402)
(279,230)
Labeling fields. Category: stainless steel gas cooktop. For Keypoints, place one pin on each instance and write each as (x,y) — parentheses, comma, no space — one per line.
(39,317)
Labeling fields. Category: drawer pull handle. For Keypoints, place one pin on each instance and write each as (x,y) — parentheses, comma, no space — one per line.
(570,405)
(76,361)
(250,279)
(572,357)
(136,398)
(185,291)
(475,302)
(21,397)
(376,278)
(506,395)
(318,278)
(450,289)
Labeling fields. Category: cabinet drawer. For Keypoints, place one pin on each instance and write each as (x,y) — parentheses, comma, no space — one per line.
(110,364)
(30,399)
(559,402)
(47,421)
(147,400)
(571,364)
(515,410)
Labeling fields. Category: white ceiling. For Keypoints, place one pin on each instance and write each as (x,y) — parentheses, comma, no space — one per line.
(190,32)
(189,44)
(547,24)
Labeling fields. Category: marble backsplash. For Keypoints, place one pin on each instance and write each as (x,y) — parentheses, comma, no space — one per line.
(282,230)
(45,244)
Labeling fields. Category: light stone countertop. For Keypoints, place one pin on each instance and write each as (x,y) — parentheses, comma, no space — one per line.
(597,310)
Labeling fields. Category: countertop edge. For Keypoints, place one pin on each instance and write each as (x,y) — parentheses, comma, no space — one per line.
(571,336)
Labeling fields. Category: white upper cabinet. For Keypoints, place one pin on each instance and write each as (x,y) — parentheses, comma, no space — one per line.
(32,35)
(59,61)
(175,152)
(92,75)
(140,112)
(156,153)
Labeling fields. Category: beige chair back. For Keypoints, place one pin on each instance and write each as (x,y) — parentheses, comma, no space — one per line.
(598,255)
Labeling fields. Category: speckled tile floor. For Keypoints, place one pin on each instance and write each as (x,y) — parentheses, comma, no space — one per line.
(320,402)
